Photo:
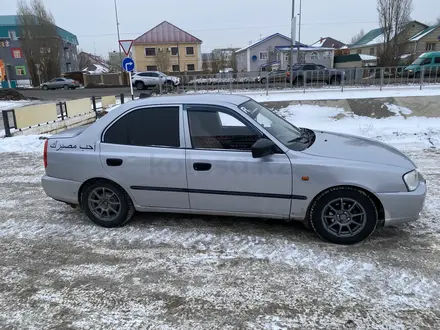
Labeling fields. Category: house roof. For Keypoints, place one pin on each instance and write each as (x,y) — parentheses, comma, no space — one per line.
(13,21)
(328,42)
(166,32)
(256,43)
(424,33)
(303,48)
(373,37)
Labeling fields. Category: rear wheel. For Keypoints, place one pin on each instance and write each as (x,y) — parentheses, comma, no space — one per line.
(335,80)
(344,215)
(106,204)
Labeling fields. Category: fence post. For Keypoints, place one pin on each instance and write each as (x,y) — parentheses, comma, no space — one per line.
(267,85)
(422,75)
(6,123)
(61,110)
(94,106)
(304,81)
(122,98)
(160,86)
(230,86)
(343,80)
(381,78)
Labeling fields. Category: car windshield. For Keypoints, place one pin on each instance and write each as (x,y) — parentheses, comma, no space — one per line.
(418,61)
(284,131)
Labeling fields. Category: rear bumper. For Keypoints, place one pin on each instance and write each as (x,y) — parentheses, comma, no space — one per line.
(61,190)
(404,206)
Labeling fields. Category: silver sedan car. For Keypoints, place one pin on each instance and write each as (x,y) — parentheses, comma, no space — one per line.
(229,155)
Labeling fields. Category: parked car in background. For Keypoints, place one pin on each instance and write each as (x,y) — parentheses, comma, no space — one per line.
(428,62)
(310,72)
(222,154)
(58,83)
(142,80)
(276,76)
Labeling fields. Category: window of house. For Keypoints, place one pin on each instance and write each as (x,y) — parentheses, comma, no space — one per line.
(264,55)
(314,56)
(150,51)
(151,68)
(189,50)
(149,127)
(359,51)
(20,70)
(216,128)
(430,46)
(372,51)
(16,53)
(190,67)
(176,68)
(174,51)
(12,35)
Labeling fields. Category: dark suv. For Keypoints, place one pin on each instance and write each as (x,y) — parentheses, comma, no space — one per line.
(310,72)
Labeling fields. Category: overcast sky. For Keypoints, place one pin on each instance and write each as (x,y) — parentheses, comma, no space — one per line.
(220,23)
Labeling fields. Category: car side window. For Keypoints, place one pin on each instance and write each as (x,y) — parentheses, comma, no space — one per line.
(308,67)
(217,128)
(437,60)
(147,127)
(60,79)
(154,74)
(427,61)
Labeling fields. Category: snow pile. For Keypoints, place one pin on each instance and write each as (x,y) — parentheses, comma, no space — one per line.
(405,133)
(23,144)
(9,105)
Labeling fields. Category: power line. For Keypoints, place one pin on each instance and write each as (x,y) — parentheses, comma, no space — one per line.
(231,28)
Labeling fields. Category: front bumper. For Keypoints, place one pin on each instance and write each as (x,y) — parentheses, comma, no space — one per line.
(403,207)
(61,190)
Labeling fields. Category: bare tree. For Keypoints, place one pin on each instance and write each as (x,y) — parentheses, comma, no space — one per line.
(394,16)
(83,60)
(205,62)
(358,36)
(163,60)
(40,42)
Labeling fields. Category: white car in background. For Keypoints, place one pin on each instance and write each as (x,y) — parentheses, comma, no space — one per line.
(142,80)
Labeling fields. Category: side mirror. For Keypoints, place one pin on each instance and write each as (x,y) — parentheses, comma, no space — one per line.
(262,148)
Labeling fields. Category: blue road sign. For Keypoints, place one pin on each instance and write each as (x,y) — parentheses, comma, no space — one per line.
(128,64)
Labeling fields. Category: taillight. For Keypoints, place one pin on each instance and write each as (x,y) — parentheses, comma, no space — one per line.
(45,153)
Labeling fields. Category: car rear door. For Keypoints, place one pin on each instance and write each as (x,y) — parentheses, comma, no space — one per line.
(144,152)
(223,177)
(309,72)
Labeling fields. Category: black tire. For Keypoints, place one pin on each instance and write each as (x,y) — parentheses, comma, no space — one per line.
(417,75)
(45,88)
(298,81)
(263,81)
(126,208)
(335,80)
(140,85)
(66,87)
(364,204)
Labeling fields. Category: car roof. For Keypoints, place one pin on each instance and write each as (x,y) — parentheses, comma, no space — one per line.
(194,98)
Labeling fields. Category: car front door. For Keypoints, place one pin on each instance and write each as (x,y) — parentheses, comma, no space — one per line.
(223,177)
(144,152)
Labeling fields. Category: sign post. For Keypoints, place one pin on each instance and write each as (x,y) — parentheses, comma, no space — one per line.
(128,65)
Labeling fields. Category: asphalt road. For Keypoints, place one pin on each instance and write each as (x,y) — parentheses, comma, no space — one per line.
(59,271)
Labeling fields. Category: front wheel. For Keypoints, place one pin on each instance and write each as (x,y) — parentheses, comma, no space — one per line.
(344,215)
(66,87)
(140,85)
(106,204)
(335,80)
(45,88)
(263,81)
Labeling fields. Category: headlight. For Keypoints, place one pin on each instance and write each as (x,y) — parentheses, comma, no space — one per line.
(411,180)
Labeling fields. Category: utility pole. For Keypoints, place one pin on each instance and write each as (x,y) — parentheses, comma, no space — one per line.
(117,28)
(299,28)
(293,36)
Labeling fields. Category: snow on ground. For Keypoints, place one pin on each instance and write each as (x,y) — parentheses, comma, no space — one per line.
(9,105)
(402,132)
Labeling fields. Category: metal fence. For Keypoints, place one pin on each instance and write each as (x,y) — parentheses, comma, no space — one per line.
(335,79)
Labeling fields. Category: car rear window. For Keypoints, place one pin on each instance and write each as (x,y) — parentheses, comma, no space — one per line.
(146,127)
